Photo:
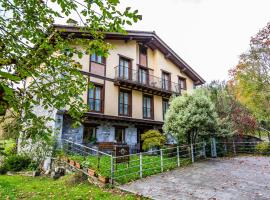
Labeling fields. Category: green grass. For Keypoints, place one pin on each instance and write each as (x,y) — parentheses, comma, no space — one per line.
(20,187)
(129,171)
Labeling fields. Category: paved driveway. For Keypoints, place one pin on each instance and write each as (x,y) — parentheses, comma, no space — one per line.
(240,178)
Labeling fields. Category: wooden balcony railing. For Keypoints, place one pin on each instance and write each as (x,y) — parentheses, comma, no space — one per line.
(141,79)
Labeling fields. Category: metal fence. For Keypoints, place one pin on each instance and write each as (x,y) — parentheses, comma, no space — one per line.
(236,148)
(135,166)
(123,169)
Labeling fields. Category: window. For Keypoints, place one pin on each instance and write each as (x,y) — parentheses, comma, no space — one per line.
(165,106)
(125,103)
(124,68)
(95,99)
(182,83)
(143,55)
(148,107)
(120,135)
(89,135)
(166,81)
(98,59)
(143,76)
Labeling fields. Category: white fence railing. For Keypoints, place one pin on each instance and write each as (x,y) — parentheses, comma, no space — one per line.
(235,148)
(122,169)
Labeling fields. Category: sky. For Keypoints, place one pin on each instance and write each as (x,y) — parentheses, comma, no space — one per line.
(208,34)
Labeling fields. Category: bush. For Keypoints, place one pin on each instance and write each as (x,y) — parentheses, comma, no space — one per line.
(16,163)
(11,150)
(152,138)
(263,148)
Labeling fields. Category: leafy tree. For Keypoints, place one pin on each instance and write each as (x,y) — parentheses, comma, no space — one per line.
(36,62)
(250,79)
(191,116)
(152,138)
(233,118)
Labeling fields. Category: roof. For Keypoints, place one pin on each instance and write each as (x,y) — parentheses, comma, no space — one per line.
(150,39)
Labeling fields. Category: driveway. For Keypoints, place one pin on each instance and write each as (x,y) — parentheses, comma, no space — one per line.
(240,178)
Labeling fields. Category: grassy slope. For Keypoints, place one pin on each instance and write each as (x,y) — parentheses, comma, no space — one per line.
(19,187)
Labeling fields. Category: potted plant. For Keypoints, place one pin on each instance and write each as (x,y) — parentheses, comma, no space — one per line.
(103,179)
(86,165)
(71,162)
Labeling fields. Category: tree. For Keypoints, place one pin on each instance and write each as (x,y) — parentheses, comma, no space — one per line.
(36,62)
(191,116)
(233,117)
(250,79)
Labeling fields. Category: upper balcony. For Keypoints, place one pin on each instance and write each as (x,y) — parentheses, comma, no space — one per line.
(140,80)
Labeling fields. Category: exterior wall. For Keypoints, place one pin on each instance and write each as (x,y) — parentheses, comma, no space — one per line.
(137,104)
(158,111)
(70,133)
(156,61)
(111,99)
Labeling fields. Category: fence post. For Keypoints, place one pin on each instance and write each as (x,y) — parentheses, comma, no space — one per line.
(161,160)
(192,153)
(225,148)
(98,164)
(204,150)
(234,150)
(178,159)
(213,148)
(112,170)
(141,165)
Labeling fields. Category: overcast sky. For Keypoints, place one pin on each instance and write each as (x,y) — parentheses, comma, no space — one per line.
(208,34)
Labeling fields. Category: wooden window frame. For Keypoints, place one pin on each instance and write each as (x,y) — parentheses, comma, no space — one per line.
(163,109)
(102,93)
(123,134)
(151,106)
(129,66)
(129,102)
(163,72)
(140,67)
(103,59)
(140,50)
(185,82)
(95,133)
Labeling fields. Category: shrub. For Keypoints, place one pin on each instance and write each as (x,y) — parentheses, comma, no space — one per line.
(3,169)
(11,150)
(16,163)
(263,148)
(152,138)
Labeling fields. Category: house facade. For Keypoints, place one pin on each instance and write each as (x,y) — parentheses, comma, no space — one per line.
(132,88)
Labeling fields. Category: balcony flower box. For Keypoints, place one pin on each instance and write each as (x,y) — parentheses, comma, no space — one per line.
(103,179)
(91,172)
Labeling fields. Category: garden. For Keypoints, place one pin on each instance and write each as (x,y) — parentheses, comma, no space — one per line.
(137,165)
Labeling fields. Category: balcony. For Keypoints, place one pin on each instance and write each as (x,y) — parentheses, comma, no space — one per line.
(139,80)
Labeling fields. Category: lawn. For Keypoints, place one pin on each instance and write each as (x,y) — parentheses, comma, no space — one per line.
(21,187)
(129,171)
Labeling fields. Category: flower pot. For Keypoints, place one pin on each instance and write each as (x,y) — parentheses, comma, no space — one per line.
(91,172)
(103,179)
(72,162)
(65,159)
(77,165)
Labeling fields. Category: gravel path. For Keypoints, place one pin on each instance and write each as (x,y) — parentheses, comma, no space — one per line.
(240,178)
